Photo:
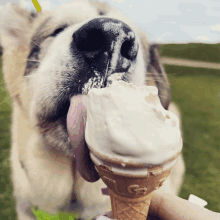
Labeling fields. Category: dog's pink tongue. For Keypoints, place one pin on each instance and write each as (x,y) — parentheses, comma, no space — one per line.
(76,122)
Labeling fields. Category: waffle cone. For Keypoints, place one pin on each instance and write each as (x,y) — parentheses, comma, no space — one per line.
(129,208)
(131,194)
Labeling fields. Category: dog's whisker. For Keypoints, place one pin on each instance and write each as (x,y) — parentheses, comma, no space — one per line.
(13,81)
(17,33)
(106,72)
(155,80)
(153,75)
(28,76)
(36,44)
(162,97)
(17,93)
(6,99)
(2,83)
(34,61)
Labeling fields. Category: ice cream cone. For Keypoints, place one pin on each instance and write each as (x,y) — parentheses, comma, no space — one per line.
(129,208)
(134,142)
(130,191)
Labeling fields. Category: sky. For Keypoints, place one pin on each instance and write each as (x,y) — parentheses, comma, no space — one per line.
(164,21)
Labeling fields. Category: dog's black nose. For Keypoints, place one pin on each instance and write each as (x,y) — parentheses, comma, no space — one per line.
(105,41)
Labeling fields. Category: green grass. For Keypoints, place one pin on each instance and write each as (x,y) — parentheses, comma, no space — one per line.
(41,215)
(197,93)
(7,211)
(192,51)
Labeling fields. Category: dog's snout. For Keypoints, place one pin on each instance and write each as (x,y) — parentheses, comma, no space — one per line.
(107,40)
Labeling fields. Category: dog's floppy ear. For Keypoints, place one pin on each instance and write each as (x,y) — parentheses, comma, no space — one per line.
(15,23)
(156,71)
(15,31)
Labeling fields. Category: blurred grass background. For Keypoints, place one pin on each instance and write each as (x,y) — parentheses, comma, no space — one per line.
(192,51)
(196,91)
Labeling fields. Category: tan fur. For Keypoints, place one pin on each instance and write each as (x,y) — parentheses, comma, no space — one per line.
(47,180)
(177,173)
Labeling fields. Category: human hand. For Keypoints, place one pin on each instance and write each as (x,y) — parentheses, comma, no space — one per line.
(170,207)
(166,206)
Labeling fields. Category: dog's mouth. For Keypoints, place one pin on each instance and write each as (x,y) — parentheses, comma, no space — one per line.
(103,44)
(76,123)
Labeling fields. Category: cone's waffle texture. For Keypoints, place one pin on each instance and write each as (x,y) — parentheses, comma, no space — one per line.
(128,208)
(130,194)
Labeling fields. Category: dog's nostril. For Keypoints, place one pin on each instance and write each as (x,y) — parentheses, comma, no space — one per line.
(126,49)
(90,41)
(129,49)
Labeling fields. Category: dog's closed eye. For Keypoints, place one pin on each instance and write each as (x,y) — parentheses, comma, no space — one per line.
(101,13)
(58,31)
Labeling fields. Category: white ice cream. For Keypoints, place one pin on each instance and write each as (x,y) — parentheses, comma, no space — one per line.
(129,124)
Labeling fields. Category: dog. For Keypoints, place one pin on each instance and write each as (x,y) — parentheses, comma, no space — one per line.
(48,58)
